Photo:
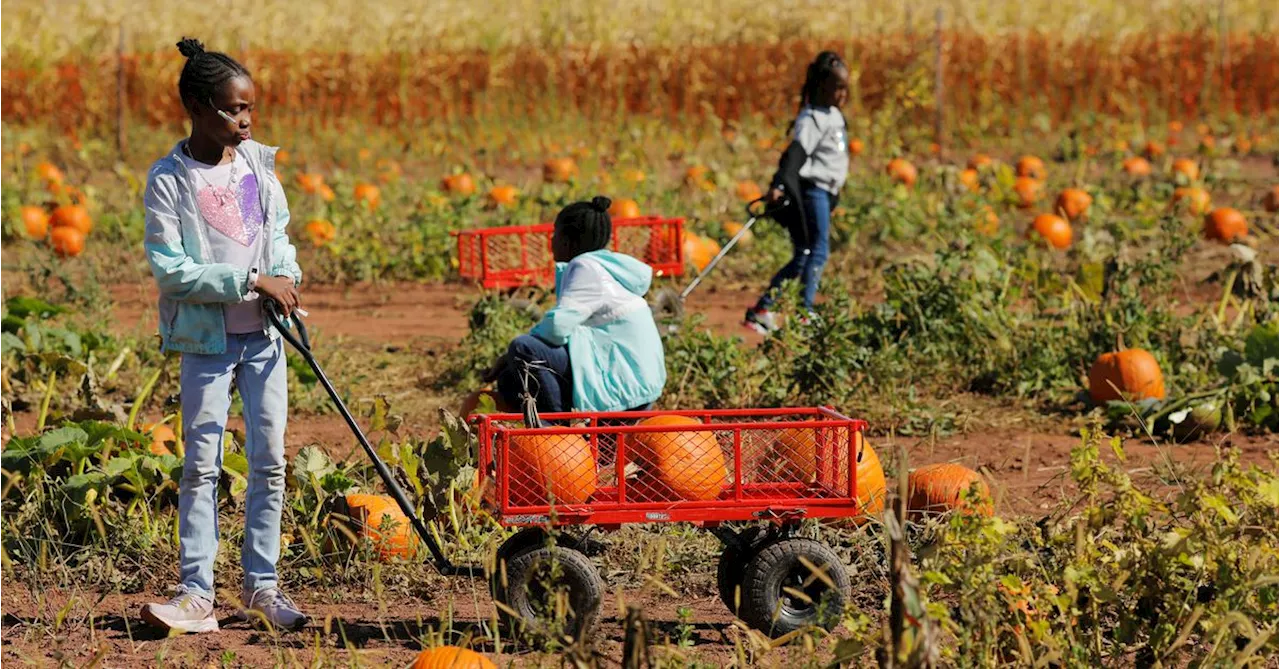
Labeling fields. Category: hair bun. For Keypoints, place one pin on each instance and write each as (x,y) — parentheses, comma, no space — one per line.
(601,203)
(190,47)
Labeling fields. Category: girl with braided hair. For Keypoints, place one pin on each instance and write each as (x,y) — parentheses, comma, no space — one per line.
(598,349)
(216,244)
(810,175)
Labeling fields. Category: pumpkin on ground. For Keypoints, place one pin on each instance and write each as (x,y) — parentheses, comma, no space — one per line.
(379,519)
(902,171)
(320,231)
(1127,373)
(1186,168)
(856,147)
(503,196)
(937,489)
(1225,225)
(624,208)
(1028,191)
(1053,229)
(731,230)
(452,657)
(1073,203)
(459,184)
(162,437)
(326,193)
(1031,167)
(797,450)
(49,173)
(699,250)
(310,182)
(1137,166)
(987,222)
(35,222)
(73,216)
(67,241)
(559,170)
(1153,150)
(969,178)
(1196,200)
(368,194)
(686,465)
(980,161)
(551,468)
(747,191)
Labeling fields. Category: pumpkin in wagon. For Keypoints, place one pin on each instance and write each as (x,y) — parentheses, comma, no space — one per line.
(551,468)
(685,465)
(797,449)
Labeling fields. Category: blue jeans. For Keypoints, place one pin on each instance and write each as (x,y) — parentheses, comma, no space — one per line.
(257,365)
(808,257)
(551,379)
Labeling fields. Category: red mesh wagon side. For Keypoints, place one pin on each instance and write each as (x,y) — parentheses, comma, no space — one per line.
(516,256)
(706,467)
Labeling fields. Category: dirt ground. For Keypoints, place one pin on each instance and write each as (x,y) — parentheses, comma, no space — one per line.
(1026,454)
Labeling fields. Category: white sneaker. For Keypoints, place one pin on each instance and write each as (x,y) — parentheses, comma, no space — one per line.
(761,321)
(274,607)
(187,612)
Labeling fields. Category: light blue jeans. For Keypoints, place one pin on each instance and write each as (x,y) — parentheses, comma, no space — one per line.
(257,365)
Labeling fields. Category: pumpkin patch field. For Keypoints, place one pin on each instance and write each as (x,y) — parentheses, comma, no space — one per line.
(1052,295)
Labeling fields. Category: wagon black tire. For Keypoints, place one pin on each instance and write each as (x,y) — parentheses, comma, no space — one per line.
(524,593)
(729,571)
(777,569)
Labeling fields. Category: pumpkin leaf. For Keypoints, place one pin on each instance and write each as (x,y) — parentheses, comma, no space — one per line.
(1262,344)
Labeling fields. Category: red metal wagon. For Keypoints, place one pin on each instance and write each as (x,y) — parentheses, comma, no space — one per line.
(778,465)
(520,255)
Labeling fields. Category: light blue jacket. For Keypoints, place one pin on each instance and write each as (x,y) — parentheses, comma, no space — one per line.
(615,351)
(193,288)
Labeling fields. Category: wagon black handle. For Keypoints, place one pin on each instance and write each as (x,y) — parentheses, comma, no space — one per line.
(765,209)
(302,342)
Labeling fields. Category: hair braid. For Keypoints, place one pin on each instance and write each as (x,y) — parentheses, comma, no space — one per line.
(205,72)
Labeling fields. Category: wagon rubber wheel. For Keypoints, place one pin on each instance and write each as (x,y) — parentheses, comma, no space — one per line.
(780,594)
(732,565)
(529,597)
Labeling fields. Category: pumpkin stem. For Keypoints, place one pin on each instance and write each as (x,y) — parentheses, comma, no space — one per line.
(1120,341)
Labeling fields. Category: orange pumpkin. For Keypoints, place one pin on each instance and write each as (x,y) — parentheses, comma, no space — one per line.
(1073,203)
(379,519)
(283,157)
(559,170)
(684,465)
(1225,225)
(1153,150)
(35,221)
(856,147)
(72,216)
(902,171)
(633,176)
(695,175)
(1137,166)
(937,489)
(1196,200)
(1242,145)
(452,657)
(980,161)
(368,194)
(699,250)
(1128,373)
(624,208)
(67,241)
(320,231)
(1053,229)
(1207,144)
(797,450)
(969,177)
(987,222)
(326,193)
(1187,168)
(1271,201)
(747,191)
(1175,127)
(1028,191)
(561,465)
(459,184)
(49,173)
(732,228)
(161,437)
(1031,167)
(310,182)
(503,196)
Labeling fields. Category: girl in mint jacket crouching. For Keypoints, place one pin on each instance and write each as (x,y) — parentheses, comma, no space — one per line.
(598,349)
(216,244)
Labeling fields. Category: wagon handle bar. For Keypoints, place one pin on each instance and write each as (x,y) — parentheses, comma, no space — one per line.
(752,217)
(302,343)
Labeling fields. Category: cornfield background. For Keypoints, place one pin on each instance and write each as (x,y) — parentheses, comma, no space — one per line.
(87,66)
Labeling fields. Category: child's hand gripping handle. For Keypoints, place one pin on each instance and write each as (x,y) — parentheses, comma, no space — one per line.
(301,341)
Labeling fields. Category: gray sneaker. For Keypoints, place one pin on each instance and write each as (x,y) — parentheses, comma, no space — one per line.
(187,612)
(274,607)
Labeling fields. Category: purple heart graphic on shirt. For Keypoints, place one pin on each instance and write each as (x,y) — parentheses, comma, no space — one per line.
(240,221)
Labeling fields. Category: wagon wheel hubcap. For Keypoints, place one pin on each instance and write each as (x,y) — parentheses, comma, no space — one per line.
(800,580)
